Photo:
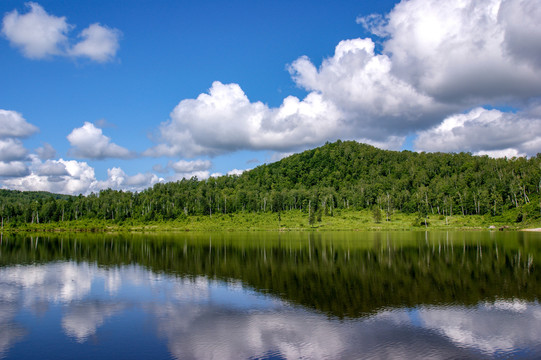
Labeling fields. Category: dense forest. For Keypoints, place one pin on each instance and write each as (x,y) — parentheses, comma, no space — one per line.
(340,175)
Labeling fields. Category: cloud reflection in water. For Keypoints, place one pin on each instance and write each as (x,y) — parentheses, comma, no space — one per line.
(201,318)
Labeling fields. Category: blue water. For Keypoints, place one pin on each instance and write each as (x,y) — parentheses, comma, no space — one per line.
(68,309)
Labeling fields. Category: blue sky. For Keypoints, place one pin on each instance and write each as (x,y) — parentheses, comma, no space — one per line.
(99,94)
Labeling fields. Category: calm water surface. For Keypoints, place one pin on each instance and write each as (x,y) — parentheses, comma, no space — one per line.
(271,296)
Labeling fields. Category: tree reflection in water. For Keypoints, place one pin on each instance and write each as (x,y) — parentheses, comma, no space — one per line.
(287,295)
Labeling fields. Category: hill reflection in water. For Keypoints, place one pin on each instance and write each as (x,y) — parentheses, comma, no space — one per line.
(270,295)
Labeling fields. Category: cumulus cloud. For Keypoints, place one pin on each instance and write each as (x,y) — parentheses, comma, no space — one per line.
(520,20)
(374,23)
(12,150)
(36,33)
(46,152)
(184,169)
(491,132)
(99,43)
(13,169)
(117,179)
(89,142)
(466,52)
(235,172)
(52,168)
(39,35)
(184,166)
(56,176)
(353,95)
(225,120)
(187,169)
(13,154)
(12,124)
(438,59)
(69,177)
(360,83)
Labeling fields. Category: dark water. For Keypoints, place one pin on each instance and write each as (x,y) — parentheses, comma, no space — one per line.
(271,296)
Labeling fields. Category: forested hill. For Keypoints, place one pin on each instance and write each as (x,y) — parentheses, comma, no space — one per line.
(27,197)
(336,175)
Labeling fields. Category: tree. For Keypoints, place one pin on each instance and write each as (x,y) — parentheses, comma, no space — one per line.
(311,214)
(376,213)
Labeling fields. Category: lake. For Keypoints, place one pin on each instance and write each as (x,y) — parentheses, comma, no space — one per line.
(336,295)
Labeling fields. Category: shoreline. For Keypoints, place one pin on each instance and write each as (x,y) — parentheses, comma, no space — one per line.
(293,220)
(158,229)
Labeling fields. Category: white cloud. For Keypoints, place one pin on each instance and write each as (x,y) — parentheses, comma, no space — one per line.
(353,95)
(184,166)
(40,35)
(508,153)
(13,169)
(483,131)
(439,58)
(89,142)
(37,33)
(77,178)
(99,43)
(235,172)
(46,152)
(118,180)
(184,169)
(224,120)
(467,52)
(374,23)
(390,142)
(200,175)
(360,83)
(12,150)
(70,177)
(51,168)
(520,20)
(12,124)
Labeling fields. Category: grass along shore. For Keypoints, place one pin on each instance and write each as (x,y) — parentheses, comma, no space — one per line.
(363,220)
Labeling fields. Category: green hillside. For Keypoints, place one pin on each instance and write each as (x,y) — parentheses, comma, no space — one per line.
(318,182)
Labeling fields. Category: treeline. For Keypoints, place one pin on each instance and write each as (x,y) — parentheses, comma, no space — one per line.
(340,175)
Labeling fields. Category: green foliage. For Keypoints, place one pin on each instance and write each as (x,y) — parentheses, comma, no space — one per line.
(311,217)
(376,213)
(319,215)
(336,177)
